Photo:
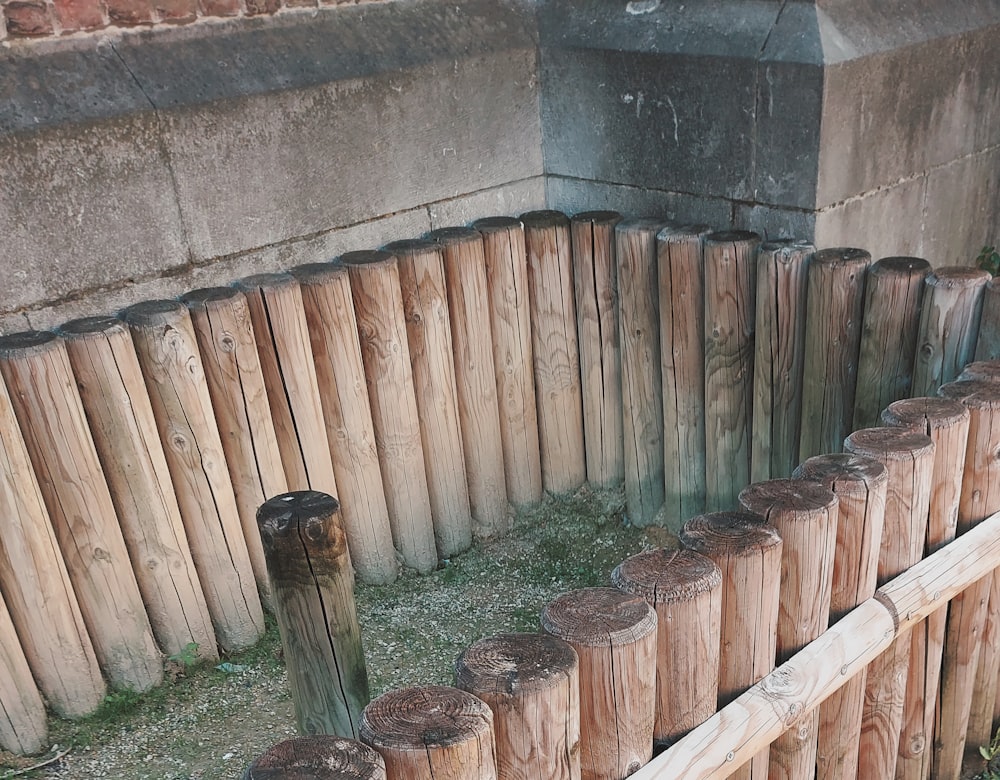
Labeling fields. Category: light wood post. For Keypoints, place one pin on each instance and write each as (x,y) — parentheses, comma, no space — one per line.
(168,355)
(313,585)
(317,758)
(37,371)
(531,682)
(730,311)
(378,305)
(833,341)
(22,712)
(893,293)
(595,281)
(685,589)
(988,339)
(555,350)
(121,420)
(340,374)
(982,369)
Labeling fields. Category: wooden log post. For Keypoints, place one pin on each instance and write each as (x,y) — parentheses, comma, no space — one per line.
(595,282)
(748,552)
(909,459)
(893,293)
(432,731)
(730,310)
(614,634)
(22,712)
(949,323)
(805,514)
(779,357)
(860,485)
(340,375)
(555,350)
(36,586)
(642,386)
(685,589)
(378,305)
(680,253)
(475,377)
(222,326)
(313,585)
(317,758)
(833,341)
(168,355)
(37,371)
(988,339)
(120,415)
(286,360)
(510,324)
(988,370)
(531,682)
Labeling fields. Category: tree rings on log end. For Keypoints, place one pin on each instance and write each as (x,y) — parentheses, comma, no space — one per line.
(599,617)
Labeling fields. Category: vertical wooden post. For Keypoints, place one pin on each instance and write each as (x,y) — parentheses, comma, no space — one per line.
(779,356)
(614,634)
(982,369)
(114,397)
(642,385)
(36,369)
(805,515)
(340,375)
(949,323)
(222,326)
(22,713)
(988,339)
(510,324)
(730,309)
(685,589)
(833,341)
(860,485)
(432,731)
(168,355)
(317,758)
(888,335)
(555,350)
(476,385)
(378,305)
(595,281)
(531,682)
(681,261)
(313,585)
(282,335)
(909,459)
(748,552)
(36,586)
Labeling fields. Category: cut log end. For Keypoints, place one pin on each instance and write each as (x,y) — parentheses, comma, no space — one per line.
(496,224)
(599,617)
(412,246)
(608,218)
(982,369)
(842,256)
(206,298)
(889,444)
(318,758)
(900,266)
(316,273)
(28,342)
(957,277)
(366,258)
(511,664)
(731,237)
(802,497)
(728,533)
(266,281)
(544,218)
(89,327)
(844,473)
(454,235)
(152,313)
(925,414)
(666,576)
(425,717)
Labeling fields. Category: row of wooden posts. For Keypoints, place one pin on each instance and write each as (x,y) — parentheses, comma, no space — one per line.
(430,387)
(845,576)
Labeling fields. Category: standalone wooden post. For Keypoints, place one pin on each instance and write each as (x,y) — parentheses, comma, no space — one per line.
(279,325)
(888,336)
(595,281)
(22,713)
(313,585)
(748,552)
(988,340)
(121,420)
(860,485)
(432,732)
(614,634)
(730,309)
(168,355)
(555,350)
(782,268)
(805,515)
(340,374)
(532,684)
(681,261)
(478,409)
(317,758)
(36,369)
(949,323)
(833,341)
(221,320)
(685,589)
(642,386)
(510,324)
(378,304)
(909,459)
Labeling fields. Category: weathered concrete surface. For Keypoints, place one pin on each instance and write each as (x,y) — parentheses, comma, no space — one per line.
(506,200)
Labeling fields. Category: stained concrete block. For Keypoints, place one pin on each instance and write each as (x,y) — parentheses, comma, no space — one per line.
(506,200)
